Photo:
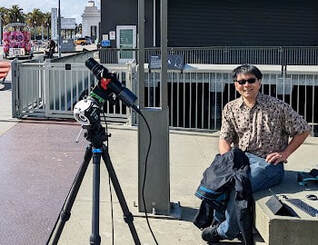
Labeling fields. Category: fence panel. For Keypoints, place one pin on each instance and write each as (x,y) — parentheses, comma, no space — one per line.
(229,55)
(196,97)
(52,89)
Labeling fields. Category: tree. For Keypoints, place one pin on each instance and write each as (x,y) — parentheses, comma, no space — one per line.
(35,19)
(15,14)
(4,15)
(47,22)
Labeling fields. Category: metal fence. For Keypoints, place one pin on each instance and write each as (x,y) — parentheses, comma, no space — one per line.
(227,55)
(51,90)
(196,95)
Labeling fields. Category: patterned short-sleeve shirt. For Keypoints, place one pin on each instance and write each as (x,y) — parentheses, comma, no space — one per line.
(262,129)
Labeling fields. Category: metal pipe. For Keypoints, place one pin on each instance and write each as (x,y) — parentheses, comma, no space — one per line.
(141,52)
(164,54)
(59,29)
(154,23)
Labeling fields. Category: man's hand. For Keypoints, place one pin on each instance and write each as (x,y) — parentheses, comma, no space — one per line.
(276,157)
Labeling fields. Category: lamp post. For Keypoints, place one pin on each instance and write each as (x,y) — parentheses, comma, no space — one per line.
(59,29)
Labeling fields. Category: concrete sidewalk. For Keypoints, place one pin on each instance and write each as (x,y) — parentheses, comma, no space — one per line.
(190,154)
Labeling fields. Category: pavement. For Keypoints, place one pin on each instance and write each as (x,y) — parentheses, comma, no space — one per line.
(39,160)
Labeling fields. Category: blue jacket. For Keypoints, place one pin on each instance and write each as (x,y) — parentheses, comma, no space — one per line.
(226,173)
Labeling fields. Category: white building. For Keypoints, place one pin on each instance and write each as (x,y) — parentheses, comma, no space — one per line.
(91,20)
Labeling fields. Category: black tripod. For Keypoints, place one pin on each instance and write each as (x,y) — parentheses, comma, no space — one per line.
(97,149)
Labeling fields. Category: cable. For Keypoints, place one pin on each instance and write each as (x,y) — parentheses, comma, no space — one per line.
(145,173)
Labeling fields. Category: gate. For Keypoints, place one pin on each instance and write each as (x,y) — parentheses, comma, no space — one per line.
(50,90)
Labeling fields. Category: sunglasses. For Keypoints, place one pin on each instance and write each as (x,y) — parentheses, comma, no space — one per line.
(243,81)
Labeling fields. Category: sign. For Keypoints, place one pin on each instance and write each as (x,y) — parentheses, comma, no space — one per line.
(105,37)
(68,23)
(175,62)
(112,35)
(105,43)
(54,23)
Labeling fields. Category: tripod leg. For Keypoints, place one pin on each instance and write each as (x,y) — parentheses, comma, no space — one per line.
(95,237)
(128,217)
(66,212)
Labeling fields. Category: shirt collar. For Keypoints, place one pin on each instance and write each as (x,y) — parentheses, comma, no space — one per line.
(260,99)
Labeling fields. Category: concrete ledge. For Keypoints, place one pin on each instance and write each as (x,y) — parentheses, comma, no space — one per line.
(287,230)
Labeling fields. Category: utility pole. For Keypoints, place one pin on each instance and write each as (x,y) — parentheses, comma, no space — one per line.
(59,29)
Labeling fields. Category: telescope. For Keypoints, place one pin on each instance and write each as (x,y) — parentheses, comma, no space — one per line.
(86,111)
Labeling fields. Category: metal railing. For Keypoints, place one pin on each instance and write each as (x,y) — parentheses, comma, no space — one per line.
(51,90)
(227,55)
(196,95)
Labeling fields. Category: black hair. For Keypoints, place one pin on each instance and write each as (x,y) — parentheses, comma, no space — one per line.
(247,69)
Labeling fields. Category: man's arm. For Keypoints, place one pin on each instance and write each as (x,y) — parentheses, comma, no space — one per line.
(224,146)
(277,157)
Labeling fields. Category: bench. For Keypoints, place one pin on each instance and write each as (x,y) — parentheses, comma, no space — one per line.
(287,230)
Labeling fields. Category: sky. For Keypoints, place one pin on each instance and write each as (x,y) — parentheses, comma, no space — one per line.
(69,8)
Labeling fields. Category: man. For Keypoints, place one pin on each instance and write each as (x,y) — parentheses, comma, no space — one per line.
(260,125)
(51,49)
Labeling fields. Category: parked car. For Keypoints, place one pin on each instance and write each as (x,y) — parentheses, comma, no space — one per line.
(81,41)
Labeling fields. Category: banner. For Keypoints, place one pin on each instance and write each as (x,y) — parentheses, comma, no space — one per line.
(68,23)
(54,23)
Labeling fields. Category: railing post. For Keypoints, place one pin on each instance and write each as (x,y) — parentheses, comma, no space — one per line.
(129,85)
(15,89)
(283,58)
(46,91)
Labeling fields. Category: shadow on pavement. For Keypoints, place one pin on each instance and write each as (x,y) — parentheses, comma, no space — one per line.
(5,86)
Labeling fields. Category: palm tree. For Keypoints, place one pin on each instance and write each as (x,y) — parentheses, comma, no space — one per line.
(15,14)
(35,19)
(47,22)
(4,15)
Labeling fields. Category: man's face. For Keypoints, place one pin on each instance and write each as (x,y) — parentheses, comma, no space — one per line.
(248,90)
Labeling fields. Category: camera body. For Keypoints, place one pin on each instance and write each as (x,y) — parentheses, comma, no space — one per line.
(87,112)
